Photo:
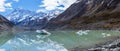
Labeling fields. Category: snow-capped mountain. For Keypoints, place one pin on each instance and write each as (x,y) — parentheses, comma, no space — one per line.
(31,19)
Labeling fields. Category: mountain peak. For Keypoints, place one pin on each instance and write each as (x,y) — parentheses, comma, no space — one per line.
(22,17)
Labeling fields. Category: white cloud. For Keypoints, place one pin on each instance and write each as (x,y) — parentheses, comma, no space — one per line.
(66,3)
(2,8)
(53,4)
(8,5)
(4,5)
(16,0)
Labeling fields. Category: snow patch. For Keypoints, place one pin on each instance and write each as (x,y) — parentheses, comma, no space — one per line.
(78,1)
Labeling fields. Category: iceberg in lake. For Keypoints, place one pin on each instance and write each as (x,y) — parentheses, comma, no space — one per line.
(44,32)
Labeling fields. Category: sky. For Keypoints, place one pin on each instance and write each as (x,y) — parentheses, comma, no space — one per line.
(7,6)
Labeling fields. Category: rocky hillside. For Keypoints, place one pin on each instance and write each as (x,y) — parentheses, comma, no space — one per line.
(5,24)
(89,14)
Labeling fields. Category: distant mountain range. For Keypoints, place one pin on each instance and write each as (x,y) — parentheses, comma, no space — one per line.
(30,19)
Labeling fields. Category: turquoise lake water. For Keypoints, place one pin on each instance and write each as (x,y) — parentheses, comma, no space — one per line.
(57,41)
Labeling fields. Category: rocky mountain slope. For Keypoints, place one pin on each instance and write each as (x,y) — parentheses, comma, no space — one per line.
(30,19)
(5,24)
(89,14)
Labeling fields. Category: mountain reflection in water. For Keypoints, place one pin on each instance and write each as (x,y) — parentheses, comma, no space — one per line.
(57,41)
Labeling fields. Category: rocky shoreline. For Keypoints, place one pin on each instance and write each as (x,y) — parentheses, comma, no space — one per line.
(109,45)
(114,46)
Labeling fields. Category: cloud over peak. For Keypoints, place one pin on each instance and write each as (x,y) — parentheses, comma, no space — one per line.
(4,5)
(56,4)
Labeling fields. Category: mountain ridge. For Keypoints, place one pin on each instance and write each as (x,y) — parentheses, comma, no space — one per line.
(89,14)
(5,24)
(30,19)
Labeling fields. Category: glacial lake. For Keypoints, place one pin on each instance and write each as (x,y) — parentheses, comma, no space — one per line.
(58,40)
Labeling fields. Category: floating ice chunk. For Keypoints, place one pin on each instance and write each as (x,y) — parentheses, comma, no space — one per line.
(106,35)
(46,32)
(103,33)
(2,50)
(82,32)
(38,31)
(43,31)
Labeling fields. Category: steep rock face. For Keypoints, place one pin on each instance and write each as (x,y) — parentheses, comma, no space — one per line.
(89,14)
(5,24)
